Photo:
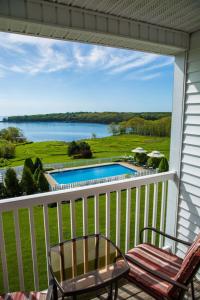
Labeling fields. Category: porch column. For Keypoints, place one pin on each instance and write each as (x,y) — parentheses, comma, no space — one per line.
(176,144)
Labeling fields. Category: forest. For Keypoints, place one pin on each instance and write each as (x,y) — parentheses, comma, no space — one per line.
(88,117)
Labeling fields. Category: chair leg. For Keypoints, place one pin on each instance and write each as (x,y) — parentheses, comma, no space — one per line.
(192,290)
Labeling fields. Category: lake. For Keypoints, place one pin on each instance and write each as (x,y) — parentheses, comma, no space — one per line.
(58,131)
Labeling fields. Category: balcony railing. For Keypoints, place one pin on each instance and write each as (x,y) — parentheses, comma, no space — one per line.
(29,224)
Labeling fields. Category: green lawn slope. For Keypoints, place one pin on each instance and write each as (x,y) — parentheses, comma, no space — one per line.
(55,152)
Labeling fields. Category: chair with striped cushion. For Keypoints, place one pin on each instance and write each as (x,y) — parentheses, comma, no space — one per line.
(50,294)
(161,274)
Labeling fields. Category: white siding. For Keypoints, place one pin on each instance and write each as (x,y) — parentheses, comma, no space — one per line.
(188,225)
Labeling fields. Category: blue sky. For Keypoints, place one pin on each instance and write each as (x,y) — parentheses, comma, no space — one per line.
(39,75)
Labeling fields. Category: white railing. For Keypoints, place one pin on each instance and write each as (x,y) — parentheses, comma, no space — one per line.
(114,208)
(58,187)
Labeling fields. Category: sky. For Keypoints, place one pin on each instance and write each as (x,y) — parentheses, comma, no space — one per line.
(39,75)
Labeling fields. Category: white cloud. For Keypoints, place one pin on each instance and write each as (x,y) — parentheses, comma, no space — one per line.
(150,76)
(34,55)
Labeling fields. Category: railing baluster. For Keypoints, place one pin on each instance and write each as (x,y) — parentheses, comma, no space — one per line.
(85,216)
(107,215)
(19,250)
(128,209)
(137,216)
(59,218)
(155,205)
(118,217)
(162,214)
(46,234)
(146,212)
(96,213)
(3,257)
(72,219)
(33,249)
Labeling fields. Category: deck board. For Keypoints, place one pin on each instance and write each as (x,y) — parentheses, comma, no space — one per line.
(131,292)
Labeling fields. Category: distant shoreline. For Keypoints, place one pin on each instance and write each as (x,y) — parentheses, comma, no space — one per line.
(86,117)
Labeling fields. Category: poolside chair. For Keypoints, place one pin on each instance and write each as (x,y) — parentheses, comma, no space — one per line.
(50,294)
(161,274)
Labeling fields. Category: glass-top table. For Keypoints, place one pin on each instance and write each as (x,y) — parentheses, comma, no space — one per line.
(85,264)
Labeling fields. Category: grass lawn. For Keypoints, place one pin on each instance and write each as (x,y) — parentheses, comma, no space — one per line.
(52,152)
(55,152)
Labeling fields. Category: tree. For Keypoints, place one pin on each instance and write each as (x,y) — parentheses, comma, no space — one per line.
(141,158)
(73,148)
(27,183)
(28,163)
(36,174)
(114,129)
(42,183)
(153,162)
(3,193)
(79,150)
(7,150)
(163,165)
(12,134)
(38,164)
(94,136)
(12,184)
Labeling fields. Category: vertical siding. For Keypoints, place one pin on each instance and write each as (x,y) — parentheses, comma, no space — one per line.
(189,199)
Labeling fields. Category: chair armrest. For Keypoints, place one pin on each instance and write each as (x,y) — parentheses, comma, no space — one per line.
(163,234)
(156,273)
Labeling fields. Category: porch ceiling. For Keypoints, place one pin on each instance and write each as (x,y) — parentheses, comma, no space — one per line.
(176,14)
(157,26)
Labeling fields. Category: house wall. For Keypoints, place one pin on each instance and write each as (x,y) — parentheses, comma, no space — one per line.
(188,220)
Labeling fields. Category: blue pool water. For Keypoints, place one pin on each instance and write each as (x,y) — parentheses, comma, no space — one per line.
(90,173)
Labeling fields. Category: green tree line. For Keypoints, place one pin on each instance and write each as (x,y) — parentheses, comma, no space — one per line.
(88,117)
(140,126)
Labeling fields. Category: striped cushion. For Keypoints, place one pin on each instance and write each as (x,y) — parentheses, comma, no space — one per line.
(24,296)
(155,259)
(191,260)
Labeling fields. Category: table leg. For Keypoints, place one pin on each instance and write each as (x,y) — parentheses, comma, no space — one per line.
(110,294)
(116,291)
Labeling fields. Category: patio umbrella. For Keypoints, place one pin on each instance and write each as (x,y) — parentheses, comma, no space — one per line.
(139,150)
(155,154)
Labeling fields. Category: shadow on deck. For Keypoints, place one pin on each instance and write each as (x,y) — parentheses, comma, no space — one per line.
(131,292)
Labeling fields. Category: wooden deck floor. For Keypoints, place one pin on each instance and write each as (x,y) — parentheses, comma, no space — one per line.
(130,292)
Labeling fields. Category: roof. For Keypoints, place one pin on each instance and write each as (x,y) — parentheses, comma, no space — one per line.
(181,15)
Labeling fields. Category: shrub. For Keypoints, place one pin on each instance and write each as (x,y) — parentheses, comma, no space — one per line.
(38,164)
(4,162)
(163,165)
(79,150)
(3,193)
(73,148)
(153,162)
(28,163)
(27,183)
(87,153)
(141,158)
(36,174)
(12,184)
(7,150)
(42,183)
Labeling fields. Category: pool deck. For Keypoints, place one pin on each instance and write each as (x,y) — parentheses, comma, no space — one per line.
(53,183)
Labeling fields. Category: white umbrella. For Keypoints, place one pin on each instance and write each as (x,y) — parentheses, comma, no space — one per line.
(139,150)
(155,154)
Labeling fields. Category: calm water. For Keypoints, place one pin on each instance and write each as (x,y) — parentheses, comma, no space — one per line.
(90,173)
(57,131)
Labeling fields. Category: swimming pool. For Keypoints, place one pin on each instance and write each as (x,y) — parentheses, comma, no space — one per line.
(90,173)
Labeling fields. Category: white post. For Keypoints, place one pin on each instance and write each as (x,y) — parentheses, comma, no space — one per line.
(176,144)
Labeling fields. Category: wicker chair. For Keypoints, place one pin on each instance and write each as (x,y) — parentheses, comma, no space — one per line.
(161,274)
